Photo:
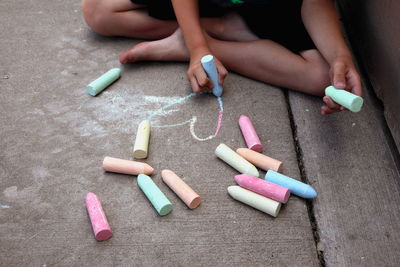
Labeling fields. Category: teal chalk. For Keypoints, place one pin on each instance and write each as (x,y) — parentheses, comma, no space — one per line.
(209,67)
(101,83)
(346,99)
(157,198)
(296,187)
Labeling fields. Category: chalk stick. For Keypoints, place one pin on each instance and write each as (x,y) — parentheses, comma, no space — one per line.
(249,134)
(101,83)
(184,192)
(345,98)
(235,160)
(296,187)
(254,200)
(100,226)
(209,67)
(260,160)
(140,149)
(264,188)
(157,198)
(126,166)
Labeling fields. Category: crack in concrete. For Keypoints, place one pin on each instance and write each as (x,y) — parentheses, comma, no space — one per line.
(303,175)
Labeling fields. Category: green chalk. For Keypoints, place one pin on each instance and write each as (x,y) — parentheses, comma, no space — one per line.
(101,83)
(346,99)
(157,198)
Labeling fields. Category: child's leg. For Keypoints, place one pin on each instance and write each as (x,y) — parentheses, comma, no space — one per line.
(272,63)
(262,60)
(124,18)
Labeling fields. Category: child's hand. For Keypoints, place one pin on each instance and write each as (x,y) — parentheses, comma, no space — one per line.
(343,76)
(198,77)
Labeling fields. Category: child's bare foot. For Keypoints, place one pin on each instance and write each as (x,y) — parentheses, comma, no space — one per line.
(231,27)
(171,48)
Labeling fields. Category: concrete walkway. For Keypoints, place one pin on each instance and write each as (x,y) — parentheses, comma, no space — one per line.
(53,138)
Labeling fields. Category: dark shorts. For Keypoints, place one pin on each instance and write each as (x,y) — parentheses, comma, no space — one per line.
(279,21)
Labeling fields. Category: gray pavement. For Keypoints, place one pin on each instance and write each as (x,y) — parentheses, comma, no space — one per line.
(54,137)
(348,160)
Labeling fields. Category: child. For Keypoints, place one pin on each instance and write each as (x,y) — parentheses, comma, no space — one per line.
(289,43)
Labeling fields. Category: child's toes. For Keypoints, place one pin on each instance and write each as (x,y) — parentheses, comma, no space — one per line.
(123,58)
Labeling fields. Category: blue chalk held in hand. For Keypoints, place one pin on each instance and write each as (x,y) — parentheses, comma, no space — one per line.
(209,67)
(296,187)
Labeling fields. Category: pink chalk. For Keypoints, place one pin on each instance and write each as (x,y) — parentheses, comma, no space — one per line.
(264,188)
(249,134)
(101,228)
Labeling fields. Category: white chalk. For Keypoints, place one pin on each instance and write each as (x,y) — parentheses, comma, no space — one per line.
(235,160)
(254,200)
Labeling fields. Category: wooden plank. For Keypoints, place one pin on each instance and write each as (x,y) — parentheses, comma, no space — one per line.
(348,161)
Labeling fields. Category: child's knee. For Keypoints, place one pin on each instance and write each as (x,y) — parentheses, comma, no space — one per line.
(318,80)
(96,14)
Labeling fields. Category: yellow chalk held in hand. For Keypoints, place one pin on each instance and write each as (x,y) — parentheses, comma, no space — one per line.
(140,149)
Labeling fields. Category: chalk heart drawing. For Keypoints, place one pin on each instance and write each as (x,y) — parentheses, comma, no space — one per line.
(191,121)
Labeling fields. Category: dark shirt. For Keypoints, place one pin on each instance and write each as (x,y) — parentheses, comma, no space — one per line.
(233,3)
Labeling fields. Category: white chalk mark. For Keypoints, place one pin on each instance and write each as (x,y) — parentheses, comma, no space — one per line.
(173,125)
(34,235)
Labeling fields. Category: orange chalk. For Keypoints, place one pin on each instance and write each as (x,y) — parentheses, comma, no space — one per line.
(184,192)
(126,166)
(260,160)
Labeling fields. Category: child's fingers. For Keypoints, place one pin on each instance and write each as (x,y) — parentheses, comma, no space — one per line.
(205,84)
(222,73)
(339,76)
(356,83)
(194,84)
(330,107)
(329,102)
(325,110)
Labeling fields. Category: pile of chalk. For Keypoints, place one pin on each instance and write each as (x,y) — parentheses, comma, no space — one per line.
(266,194)
(160,202)
(263,194)
(157,198)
